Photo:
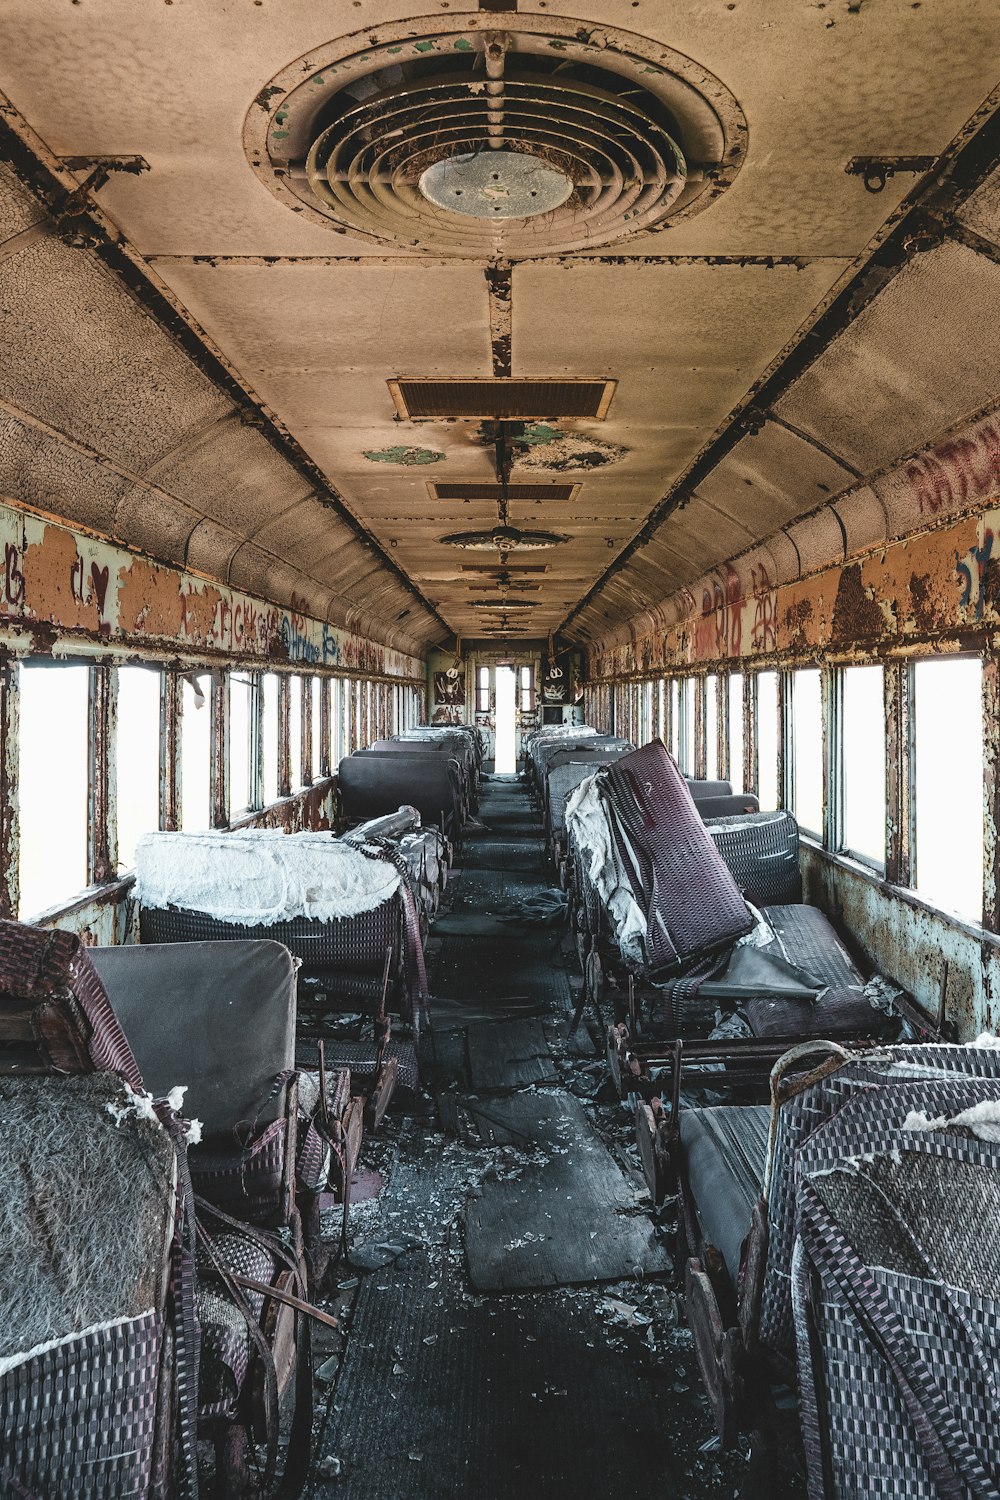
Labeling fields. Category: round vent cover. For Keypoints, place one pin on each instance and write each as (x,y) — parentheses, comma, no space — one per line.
(465,140)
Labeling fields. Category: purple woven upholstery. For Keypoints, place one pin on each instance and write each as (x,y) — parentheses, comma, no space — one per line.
(225,1338)
(80,1420)
(693,906)
(895,1288)
(50,993)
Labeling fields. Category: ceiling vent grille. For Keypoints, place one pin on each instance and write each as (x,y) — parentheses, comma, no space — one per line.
(494,492)
(474,141)
(505,399)
(495,569)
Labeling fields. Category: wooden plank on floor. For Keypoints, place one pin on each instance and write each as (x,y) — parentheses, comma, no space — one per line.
(567,1221)
(508,1055)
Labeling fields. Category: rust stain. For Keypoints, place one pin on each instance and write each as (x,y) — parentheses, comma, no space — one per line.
(153,601)
(856,613)
(57,585)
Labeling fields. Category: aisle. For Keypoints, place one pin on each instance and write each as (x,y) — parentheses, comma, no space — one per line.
(523,1334)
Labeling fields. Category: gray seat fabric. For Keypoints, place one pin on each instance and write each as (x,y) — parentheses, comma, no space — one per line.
(727,807)
(725,1150)
(762,851)
(702,791)
(372,784)
(218,1018)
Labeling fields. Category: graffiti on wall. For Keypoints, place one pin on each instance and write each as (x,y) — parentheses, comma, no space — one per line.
(955,473)
(55,577)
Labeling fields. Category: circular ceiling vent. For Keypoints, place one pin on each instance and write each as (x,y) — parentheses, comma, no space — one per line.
(464,140)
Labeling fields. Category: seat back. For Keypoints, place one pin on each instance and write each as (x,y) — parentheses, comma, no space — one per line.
(87,1183)
(762,851)
(701,791)
(54,1014)
(375,783)
(217,1018)
(693,906)
(727,807)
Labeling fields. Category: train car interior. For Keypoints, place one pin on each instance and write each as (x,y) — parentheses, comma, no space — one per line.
(499,749)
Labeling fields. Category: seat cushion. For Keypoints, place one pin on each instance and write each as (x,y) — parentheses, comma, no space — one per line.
(725,1151)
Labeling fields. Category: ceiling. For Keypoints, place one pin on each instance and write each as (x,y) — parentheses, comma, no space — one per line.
(690,299)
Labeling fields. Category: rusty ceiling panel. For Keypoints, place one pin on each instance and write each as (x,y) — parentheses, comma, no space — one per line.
(18,209)
(918,358)
(818,540)
(37,469)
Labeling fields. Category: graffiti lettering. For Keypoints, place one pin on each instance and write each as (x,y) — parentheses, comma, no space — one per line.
(76,579)
(954,473)
(971,570)
(764,634)
(13,582)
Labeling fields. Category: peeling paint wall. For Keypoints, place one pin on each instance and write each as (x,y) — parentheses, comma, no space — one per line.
(63,591)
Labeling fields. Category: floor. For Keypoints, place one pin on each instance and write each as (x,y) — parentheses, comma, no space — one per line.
(511,1318)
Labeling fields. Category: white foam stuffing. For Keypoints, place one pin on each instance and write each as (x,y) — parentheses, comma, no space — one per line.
(257,881)
(176,1097)
(193,1134)
(988,1040)
(586,816)
(138,1105)
(983,1119)
(11,1361)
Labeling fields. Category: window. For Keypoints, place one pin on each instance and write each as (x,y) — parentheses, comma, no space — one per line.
(712,728)
(196,753)
(687,726)
(294,689)
(735,740)
(948,784)
(269,747)
(768,709)
(317,767)
(137,759)
(675,718)
(647,712)
(862,763)
(807,750)
(526,679)
(661,709)
(54,783)
(482,690)
(241,739)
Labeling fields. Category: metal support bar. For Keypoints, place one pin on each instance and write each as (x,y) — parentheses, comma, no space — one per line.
(170,750)
(219,754)
(899,802)
(9,814)
(102,831)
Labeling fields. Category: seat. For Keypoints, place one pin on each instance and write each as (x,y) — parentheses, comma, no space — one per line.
(371,785)
(218,1019)
(762,852)
(725,1150)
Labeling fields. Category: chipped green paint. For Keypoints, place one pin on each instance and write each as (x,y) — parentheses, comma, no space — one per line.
(281,117)
(279,135)
(393,50)
(424,46)
(463,44)
(536,433)
(402,455)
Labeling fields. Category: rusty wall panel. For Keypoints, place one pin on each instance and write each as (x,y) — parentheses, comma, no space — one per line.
(62,590)
(912,943)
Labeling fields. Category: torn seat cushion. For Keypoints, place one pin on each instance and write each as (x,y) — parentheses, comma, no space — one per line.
(725,1150)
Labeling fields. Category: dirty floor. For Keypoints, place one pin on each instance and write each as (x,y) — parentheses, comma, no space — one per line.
(512,1323)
